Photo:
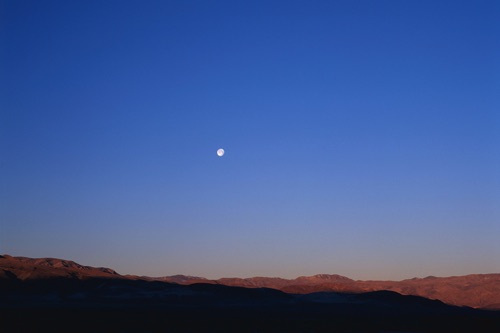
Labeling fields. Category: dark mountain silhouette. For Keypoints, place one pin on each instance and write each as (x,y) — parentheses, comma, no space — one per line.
(53,295)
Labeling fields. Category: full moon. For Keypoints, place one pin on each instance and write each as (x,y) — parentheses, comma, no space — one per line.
(220,152)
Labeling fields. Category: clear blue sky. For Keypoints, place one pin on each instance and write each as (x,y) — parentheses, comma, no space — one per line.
(362,138)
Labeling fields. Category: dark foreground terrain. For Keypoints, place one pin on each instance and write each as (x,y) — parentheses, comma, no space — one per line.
(117,305)
(53,295)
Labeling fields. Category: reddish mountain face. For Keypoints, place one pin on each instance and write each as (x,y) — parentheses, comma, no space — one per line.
(22,268)
(281,284)
(478,290)
(179,279)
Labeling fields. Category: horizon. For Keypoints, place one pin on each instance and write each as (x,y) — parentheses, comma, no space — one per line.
(360,139)
(255,276)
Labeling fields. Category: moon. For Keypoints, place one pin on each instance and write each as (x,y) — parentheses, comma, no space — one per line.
(220,152)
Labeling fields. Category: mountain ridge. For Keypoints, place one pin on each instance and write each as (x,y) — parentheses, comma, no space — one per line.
(473,290)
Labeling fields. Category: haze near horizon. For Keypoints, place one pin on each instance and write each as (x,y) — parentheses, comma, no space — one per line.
(360,138)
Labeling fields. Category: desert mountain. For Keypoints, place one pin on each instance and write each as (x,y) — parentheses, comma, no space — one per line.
(179,279)
(22,268)
(54,295)
(478,290)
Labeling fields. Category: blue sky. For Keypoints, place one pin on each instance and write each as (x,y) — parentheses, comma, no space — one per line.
(361,137)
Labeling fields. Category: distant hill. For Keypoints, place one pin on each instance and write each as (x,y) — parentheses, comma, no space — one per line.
(22,268)
(477,290)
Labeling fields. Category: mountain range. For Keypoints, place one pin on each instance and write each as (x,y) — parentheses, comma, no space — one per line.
(56,295)
(476,290)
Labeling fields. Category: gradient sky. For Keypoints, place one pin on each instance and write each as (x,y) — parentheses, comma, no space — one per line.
(362,138)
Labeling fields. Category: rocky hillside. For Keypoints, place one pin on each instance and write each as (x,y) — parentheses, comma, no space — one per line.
(477,290)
